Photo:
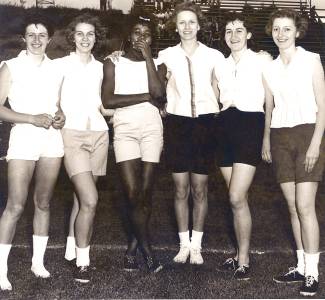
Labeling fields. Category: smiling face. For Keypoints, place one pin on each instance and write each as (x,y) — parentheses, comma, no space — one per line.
(187,25)
(140,32)
(36,39)
(84,37)
(236,36)
(284,33)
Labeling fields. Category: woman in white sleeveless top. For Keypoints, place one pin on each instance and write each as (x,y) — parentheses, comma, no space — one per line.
(294,142)
(131,86)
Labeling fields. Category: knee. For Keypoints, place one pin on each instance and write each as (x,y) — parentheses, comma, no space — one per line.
(292,208)
(14,210)
(42,205)
(305,209)
(199,194)
(90,204)
(181,193)
(237,200)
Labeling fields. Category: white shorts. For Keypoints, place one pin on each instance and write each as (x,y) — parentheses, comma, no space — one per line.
(29,142)
(138,133)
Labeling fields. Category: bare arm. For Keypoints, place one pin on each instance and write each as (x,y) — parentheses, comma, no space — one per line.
(319,91)
(269,106)
(111,100)
(8,115)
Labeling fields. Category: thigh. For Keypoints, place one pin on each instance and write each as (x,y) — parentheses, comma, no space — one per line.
(130,172)
(241,178)
(85,187)
(181,180)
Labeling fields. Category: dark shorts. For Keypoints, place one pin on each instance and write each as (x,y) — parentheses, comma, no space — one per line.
(239,137)
(288,149)
(190,143)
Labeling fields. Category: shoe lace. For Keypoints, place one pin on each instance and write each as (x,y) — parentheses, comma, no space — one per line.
(130,259)
(241,269)
(309,281)
(229,261)
(83,269)
(292,270)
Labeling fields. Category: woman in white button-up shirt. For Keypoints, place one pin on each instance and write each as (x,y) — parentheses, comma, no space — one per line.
(191,107)
(296,116)
(85,135)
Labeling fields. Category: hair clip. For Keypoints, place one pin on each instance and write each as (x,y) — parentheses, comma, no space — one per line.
(144,19)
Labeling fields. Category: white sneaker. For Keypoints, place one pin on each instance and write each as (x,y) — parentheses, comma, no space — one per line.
(195,256)
(182,255)
(5,284)
(40,271)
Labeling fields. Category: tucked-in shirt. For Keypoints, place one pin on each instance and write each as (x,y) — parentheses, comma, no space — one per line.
(189,89)
(34,88)
(131,78)
(81,93)
(241,83)
(292,88)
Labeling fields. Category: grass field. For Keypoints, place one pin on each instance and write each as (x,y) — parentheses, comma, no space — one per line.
(272,246)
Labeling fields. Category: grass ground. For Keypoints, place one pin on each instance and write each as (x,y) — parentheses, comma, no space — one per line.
(271,246)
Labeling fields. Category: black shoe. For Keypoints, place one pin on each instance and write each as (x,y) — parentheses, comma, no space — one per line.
(153,265)
(82,274)
(242,273)
(70,263)
(130,263)
(231,264)
(309,287)
(292,276)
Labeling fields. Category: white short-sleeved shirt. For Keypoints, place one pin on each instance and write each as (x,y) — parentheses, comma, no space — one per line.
(190,79)
(292,88)
(34,88)
(131,77)
(81,93)
(241,83)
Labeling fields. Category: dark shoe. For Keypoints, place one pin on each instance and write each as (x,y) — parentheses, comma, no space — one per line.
(242,273)
(130,263)
(70,263)
(309,287)
(292,276)
(231,264)
(153,265)
(82,274)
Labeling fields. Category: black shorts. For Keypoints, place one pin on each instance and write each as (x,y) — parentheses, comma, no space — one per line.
(190,143)
(239,137)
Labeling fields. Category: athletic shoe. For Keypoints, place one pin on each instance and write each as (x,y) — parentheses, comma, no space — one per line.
(153,265)
(182,255)
(70,263)
(82,274)
(195,256)
(242,273)
(292,276)
(309,287)
(231,264)
(130,263)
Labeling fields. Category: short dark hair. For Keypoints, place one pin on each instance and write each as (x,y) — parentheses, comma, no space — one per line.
(32,17)
(187,6)
(300,22)
(87,19)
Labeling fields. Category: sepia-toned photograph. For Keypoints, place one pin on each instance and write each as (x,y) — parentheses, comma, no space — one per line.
(162,149)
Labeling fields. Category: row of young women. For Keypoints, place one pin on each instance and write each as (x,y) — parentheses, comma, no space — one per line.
(288,133)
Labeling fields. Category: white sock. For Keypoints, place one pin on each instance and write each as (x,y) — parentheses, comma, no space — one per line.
(184,238)
(39,247)
(301,262)
(70,249)
(311,265)
(196,239)
(4,253)
(82,256)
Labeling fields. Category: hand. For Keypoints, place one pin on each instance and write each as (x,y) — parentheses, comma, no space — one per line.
(312,155)
(144,47)
(59,120)
(115,56)
(42,120)
(106,112)
(266,150)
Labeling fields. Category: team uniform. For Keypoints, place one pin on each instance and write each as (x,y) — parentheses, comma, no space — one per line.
(191,107)
(85,133)
(240,124)
(34,90)
(138,130)
(293,117)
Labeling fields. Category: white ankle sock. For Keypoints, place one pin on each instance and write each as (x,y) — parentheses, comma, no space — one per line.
(184,238)
(301,262)
(82,256)
(70,249)
(196,239)
(4,253)
(39,247)
(311,265)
